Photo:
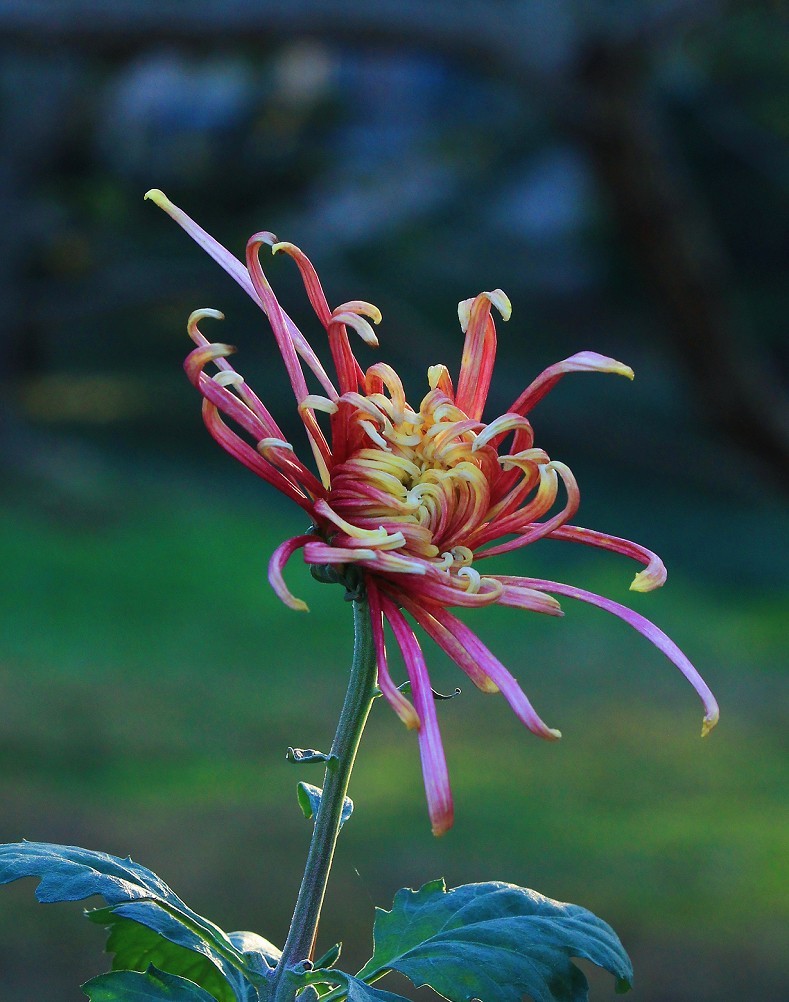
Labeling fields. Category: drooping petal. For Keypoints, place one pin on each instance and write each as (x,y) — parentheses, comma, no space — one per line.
(442,626)
(644,627)
(431,750)
(583,361)
(399,703)
(654,574)
(276,565)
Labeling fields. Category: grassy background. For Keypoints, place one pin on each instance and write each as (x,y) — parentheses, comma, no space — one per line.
(150,683)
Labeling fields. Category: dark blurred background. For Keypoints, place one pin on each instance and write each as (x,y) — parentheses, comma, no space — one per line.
(621,170)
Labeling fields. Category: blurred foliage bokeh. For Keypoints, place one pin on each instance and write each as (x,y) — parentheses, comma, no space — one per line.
(621,170)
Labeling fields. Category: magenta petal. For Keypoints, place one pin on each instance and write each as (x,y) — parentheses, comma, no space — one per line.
(654,573)
(276,565)
(646,629)
(402,706)
(496,671)
(431,750)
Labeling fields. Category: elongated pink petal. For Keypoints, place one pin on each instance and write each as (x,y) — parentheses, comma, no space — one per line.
(645,628)
(276,565)
(402,706)
(583,361)
(431,750)
(490,665)
(654,574)
(239,273)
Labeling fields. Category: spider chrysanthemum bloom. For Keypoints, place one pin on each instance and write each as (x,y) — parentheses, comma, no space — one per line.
(412,500)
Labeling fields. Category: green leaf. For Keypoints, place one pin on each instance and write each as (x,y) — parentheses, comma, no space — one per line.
(151,986)
(310,800)
(358,991)
(330,957)
(350,987)
(495,942)
(136,894)
(136,948)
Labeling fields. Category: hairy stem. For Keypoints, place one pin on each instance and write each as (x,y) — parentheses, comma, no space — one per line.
(355,710)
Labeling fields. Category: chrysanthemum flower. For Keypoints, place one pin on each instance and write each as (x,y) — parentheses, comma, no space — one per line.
(412,500)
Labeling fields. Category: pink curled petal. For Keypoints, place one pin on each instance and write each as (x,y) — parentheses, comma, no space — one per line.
(402,706)
(276,565)
(646,629)
(239,449)
(654,573)
(479,349)
(309,276)
(497,672)
(198,358)
(583,361)
(431,750)
(539,530)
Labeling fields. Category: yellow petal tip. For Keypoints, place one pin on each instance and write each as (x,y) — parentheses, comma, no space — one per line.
(708,723)
(157,196)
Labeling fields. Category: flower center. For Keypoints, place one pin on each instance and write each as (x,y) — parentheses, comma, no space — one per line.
(418,473)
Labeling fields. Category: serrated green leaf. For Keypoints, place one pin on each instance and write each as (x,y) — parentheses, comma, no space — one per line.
(495,942)
(136,948)
(310,800)
(150,986)
(134,893)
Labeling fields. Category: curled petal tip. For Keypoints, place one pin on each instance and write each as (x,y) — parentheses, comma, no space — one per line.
(197,315)
(157,196)
(648,579)
(501,301)
(710,720)
(553,734)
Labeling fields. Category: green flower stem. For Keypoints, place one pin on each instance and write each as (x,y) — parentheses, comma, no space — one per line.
(355,710)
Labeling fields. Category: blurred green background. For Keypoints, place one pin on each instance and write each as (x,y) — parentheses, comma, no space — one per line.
(621,171)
